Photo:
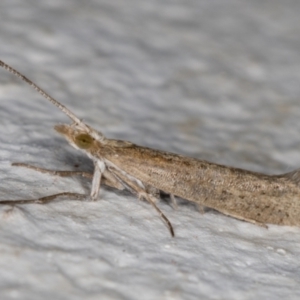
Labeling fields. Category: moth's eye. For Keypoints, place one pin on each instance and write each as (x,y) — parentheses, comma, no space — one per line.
(83,141)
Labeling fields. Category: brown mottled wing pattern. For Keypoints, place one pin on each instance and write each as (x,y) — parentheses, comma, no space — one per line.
(239,193)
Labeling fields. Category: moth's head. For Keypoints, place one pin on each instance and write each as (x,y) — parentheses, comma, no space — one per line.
(80,137)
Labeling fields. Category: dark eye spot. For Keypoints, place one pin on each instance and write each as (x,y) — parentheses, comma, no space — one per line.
(83,141)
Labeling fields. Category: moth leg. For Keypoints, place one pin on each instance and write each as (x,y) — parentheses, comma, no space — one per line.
(201,208)
(44,200)
(98,172)
(101,173)
(173,201)
(53,172)
(141,192)
(246,220)
(152,200)
(108,179)
(252,222)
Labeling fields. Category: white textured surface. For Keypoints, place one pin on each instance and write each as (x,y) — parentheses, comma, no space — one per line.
(217,80)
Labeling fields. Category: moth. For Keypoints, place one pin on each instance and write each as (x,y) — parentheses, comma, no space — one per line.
(245,195)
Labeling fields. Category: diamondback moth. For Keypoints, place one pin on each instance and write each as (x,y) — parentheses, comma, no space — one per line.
(249,196)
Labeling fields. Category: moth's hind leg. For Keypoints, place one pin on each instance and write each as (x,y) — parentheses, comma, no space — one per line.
(54,172)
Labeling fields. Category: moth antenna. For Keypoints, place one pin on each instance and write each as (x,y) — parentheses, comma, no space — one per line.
(43,93)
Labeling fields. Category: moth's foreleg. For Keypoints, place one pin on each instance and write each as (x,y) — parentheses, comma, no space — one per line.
(44,200)
(99,172)
(107,179)
(54,172)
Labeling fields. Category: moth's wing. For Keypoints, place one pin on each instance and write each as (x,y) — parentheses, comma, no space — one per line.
(239,193)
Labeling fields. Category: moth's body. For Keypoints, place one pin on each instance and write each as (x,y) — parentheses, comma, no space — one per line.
(242,194)
(239,193)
